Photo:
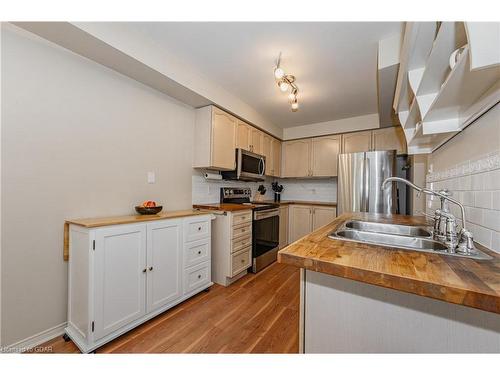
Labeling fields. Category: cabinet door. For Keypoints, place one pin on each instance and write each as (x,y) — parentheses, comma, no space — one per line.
(356,142)
(283,238)
(119,277)
(391,138)
(324,155)
(266,151)
(296,158)
(243,135)
(256,141)
(323,216)
(276,153)
(164,263)
(300,224)
(223,140)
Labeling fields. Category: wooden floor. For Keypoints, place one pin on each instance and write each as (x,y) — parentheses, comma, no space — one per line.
(257,314)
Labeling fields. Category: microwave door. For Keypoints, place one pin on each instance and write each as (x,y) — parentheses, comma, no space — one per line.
(250,165)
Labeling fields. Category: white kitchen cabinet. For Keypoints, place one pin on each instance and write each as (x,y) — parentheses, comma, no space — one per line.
(215,139)
(303,219)
(243,136)
(232,246)
(164,268)
(122,275)
(296,158)
(266,151)
(256,137)
(276,156)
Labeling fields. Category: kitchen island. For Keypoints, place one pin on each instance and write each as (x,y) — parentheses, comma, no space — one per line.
(359,297)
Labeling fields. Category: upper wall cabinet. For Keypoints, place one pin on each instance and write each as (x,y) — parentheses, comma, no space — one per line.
(243,136)
(448,76)
(276,158)
(357,142)
(256,137)
(391,138)
(296,158)
(215,139)
(324,154)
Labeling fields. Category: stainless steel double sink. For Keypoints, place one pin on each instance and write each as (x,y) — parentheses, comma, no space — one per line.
(404,237)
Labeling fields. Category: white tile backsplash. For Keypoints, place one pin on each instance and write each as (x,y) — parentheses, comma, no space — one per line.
(322,190)
(478,188)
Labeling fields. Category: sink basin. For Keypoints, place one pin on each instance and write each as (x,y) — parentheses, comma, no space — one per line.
(402,230)
(403,237)
(392,240)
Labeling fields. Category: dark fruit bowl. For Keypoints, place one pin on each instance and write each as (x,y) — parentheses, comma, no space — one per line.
(148,210)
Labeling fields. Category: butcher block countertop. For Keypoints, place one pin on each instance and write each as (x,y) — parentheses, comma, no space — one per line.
(307,203)
(115,220)
(241,207)
(463,281)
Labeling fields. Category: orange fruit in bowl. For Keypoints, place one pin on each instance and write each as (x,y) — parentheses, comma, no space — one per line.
(149,204)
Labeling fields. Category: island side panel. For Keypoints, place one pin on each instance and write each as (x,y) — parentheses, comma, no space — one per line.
(346,316)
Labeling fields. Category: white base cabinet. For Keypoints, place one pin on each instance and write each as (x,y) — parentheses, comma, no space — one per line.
(122,275)
(304,219)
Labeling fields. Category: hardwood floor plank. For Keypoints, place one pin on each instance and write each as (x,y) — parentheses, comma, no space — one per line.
(258,313)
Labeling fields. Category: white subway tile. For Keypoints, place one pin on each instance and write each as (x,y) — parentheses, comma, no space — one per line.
(491,219)
(465,183)
(478,181)
(492,180)
(483,199)
(468,198)
(495,204)
(474,215)
(495,241)
(482,235)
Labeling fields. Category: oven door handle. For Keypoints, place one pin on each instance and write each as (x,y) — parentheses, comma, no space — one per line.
(260,215)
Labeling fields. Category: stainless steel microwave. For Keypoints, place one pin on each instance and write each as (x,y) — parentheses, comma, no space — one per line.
(249,167)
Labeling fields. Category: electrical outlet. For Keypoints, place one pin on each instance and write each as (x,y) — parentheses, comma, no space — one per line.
(151,178)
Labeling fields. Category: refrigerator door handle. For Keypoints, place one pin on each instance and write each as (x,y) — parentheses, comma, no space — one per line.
(366,188)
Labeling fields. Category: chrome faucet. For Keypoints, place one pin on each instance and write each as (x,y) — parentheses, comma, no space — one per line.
(445,225)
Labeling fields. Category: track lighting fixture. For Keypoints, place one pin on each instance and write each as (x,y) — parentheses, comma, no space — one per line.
(286,83)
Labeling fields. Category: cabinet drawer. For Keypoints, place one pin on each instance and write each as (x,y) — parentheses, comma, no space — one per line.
(196,252)
(196,228)
(241,261)
(242,217)
(196,277)
(241,243)
(242,230)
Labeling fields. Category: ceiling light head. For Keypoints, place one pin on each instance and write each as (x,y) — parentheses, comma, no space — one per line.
(284,86)
(292,97)
(279,73)
(295,106)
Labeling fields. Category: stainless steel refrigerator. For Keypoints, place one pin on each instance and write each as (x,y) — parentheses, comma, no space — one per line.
(360,177)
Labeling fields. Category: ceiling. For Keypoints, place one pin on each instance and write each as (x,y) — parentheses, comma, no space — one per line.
(335,63)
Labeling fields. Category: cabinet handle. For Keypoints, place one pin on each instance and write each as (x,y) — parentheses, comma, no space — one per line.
(243,261)
(199,228)
(144,270)
(151,268)
(199,276)
(199,252)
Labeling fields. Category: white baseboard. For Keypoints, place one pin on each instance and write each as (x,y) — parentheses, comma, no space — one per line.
(35,340)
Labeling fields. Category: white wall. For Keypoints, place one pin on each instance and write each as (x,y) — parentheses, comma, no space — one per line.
(469,166)
(333,127)
(77,141)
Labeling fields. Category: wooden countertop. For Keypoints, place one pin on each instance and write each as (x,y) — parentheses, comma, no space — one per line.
(308,203)
(127,219)
(224,206)
(463,281)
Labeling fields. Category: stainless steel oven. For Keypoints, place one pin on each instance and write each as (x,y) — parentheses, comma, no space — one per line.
(265,237)
(249,167)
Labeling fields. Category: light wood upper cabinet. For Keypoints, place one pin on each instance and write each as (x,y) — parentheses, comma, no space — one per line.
(357,142)
(300,221)
(276,156)
(243,135)
(296,158)
(323,216)
(215,139)
(266,151)
(324,155)
(391,138)
(256,141)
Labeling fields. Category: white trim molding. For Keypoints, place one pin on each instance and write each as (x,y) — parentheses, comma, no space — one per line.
(482,164)
(35,340)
